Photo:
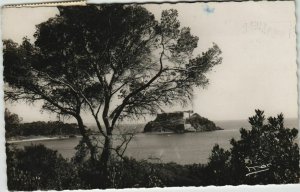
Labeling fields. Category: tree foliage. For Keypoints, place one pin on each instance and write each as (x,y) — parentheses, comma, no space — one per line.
(114,61)
(11,118)
(38,168)
(12,121)
(268,144)
(41,128)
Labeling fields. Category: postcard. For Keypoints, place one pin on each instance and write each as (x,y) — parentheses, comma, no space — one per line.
(146,95)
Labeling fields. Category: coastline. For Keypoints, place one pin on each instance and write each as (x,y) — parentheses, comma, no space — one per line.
(40,138)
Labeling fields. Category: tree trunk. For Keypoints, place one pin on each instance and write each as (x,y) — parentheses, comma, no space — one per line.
(86,138)
(105,160)
(106,153)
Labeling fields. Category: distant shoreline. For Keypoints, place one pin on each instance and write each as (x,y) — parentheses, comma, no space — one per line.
(41,138)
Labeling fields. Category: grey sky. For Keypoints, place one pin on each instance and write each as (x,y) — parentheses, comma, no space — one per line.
(258,41)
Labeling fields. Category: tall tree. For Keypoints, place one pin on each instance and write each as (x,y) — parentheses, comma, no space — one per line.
(12,122)
(11,118)
(115,61)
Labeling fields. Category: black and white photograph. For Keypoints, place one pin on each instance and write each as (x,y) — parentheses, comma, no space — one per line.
(146,95)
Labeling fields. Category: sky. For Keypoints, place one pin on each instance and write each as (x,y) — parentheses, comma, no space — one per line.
(258,44)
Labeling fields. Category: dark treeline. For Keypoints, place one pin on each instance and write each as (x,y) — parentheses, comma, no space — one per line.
(268,146)
(42,128)
(14,127)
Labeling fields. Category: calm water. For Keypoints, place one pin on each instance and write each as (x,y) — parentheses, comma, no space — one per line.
(181,148)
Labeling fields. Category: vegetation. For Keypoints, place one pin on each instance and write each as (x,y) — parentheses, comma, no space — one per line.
(268,144)
(202,123)
(37,167)
(11,120)
(14,127)
(87,58)
(41,128)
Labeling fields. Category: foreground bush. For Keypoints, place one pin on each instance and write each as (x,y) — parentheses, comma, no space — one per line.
(268,144)
(37,167)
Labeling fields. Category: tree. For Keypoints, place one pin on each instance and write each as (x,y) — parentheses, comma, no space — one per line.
(12,121)
(268,151)
(218,169)
(11,118)
(115,61)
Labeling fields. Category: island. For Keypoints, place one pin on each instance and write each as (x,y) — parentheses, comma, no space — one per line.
(180,122)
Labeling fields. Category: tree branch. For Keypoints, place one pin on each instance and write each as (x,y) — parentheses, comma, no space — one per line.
(116,113)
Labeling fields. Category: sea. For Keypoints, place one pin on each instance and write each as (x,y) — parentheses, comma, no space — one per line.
(187,148)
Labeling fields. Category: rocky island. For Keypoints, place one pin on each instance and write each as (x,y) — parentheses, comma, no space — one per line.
(180,122)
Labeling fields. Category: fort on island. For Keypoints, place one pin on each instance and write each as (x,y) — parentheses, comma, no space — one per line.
(180,122)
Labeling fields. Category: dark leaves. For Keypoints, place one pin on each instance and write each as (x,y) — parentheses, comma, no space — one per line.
(266,143)
(92,55)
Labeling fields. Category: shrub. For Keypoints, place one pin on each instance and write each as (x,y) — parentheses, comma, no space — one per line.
(37,167)
(267,143)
